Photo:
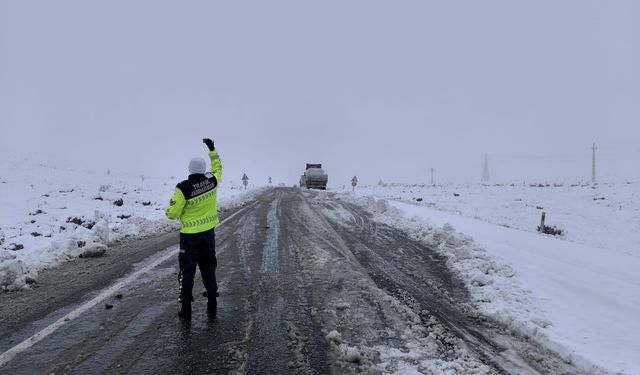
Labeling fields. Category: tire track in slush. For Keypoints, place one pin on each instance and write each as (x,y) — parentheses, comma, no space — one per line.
(506,353)
(391,278)
(307,342)
(285,338)
(362,236)
(267,350)
(269,266)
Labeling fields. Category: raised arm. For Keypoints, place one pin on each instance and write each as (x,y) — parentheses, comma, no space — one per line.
(216,164)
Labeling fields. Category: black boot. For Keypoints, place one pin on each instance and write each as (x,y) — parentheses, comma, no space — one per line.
(185,311)
(212,306)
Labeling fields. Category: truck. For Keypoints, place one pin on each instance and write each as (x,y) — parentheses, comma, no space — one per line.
(314,177)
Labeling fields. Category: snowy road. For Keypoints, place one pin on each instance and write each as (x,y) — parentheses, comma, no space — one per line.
(308,284)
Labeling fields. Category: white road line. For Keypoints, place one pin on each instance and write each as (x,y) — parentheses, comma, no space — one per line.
(29,342)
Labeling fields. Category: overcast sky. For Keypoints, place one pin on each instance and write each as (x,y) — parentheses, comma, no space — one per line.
(378,89)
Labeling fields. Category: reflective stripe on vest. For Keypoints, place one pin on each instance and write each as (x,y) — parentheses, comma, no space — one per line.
(200,198)
(195,223)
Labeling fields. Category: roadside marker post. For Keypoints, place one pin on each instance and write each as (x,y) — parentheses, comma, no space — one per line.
(541,228)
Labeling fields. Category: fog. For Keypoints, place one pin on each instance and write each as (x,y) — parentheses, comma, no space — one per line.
(378,89)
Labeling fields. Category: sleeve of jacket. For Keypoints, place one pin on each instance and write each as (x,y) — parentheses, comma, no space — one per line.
(216,165)
(176,204)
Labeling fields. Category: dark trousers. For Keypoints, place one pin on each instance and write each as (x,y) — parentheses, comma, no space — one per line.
(197,249)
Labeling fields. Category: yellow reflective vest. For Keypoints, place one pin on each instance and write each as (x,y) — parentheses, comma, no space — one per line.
(195,202)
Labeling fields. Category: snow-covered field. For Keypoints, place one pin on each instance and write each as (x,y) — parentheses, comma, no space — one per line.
(607,217)
(51,214)
(578,294)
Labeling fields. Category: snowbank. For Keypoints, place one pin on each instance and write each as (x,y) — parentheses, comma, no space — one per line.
(581,301)
(51,215)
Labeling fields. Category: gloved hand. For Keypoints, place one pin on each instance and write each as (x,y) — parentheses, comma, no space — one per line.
(209,143)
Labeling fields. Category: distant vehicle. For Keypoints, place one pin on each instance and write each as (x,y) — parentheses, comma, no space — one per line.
(314,177)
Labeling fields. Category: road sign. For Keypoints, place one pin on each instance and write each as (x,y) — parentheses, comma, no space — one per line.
(245,181)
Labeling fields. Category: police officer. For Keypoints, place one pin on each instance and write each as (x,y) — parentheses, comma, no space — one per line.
(194,203)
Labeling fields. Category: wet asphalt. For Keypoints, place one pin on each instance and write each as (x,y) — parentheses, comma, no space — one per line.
(266,322)
(262,326)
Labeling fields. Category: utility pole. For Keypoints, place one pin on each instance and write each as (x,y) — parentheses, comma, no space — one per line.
(593,165)
(432,177)
(485,171)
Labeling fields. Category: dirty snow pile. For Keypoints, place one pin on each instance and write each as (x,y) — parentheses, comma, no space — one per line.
(577,294)
(52,214)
